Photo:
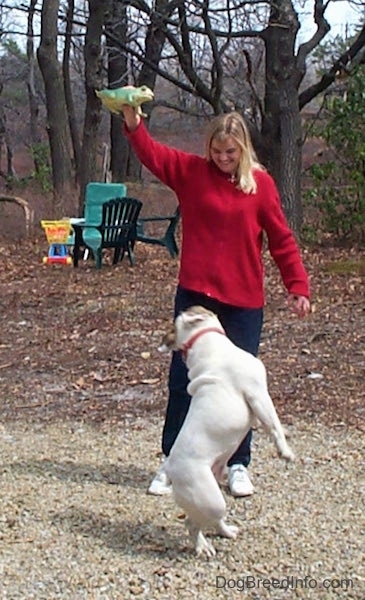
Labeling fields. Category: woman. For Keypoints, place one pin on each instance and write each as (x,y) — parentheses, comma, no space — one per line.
(227,201)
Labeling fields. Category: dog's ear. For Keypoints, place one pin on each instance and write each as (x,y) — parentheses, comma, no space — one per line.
(195,314)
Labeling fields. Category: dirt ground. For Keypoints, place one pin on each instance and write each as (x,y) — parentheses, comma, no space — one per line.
(74,339)
(83,343)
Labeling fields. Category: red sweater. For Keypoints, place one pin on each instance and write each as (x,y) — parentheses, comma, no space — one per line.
(222,227)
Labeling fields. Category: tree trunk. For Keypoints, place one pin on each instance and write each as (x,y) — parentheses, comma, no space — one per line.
(57,122)
(291,157)
(281,127)
(155,39)
(72,119)
(129,166)
(117,77)
(194,41)
(5,140)
(32,94)
(92,52)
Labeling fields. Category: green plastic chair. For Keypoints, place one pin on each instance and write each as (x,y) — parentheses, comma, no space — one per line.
(166,238)
(117,230)
(96,195)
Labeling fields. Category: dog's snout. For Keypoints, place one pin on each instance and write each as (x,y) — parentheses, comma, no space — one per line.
(163,348)
(168,341)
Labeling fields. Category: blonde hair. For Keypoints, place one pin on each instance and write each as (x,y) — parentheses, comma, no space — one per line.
(233,125)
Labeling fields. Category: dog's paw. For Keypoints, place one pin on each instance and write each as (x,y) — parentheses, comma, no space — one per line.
(288,455)
(228,531)
(233,531)
(204,547)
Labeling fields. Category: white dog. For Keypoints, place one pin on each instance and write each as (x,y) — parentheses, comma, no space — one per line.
(229,392)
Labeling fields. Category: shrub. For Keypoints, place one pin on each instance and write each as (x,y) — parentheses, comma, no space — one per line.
(337,189)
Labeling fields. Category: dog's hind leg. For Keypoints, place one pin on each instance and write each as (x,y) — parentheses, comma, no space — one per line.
(201,544)
(220,471)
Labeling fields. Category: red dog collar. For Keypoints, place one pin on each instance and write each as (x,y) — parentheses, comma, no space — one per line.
(186,347)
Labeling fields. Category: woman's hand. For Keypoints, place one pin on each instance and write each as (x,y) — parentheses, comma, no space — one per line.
(131,118)
(299,304)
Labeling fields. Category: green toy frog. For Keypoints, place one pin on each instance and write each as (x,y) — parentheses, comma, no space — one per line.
(113,100)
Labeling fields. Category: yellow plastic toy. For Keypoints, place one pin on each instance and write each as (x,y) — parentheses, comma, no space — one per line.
(58,233)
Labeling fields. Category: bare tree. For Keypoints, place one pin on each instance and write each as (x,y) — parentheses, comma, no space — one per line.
(93,64)
(213,53)
(281,122)
(117,66)
(121,32)
(203,38)
(5,141)
(57,121)
(32,92)
(72,119)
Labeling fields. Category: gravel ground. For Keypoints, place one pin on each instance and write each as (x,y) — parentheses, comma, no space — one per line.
(77,524)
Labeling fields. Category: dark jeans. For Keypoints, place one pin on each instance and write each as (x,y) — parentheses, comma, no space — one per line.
(242,326)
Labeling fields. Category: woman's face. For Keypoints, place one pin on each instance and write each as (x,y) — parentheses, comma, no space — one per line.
(226,154)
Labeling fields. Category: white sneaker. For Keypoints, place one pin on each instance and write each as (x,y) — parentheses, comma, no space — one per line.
(160,484)
(239,481)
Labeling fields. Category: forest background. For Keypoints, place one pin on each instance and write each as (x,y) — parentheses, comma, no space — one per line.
(300,88)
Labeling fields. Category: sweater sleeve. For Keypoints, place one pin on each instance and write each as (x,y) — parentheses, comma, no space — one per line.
(168,164)
(282,244)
